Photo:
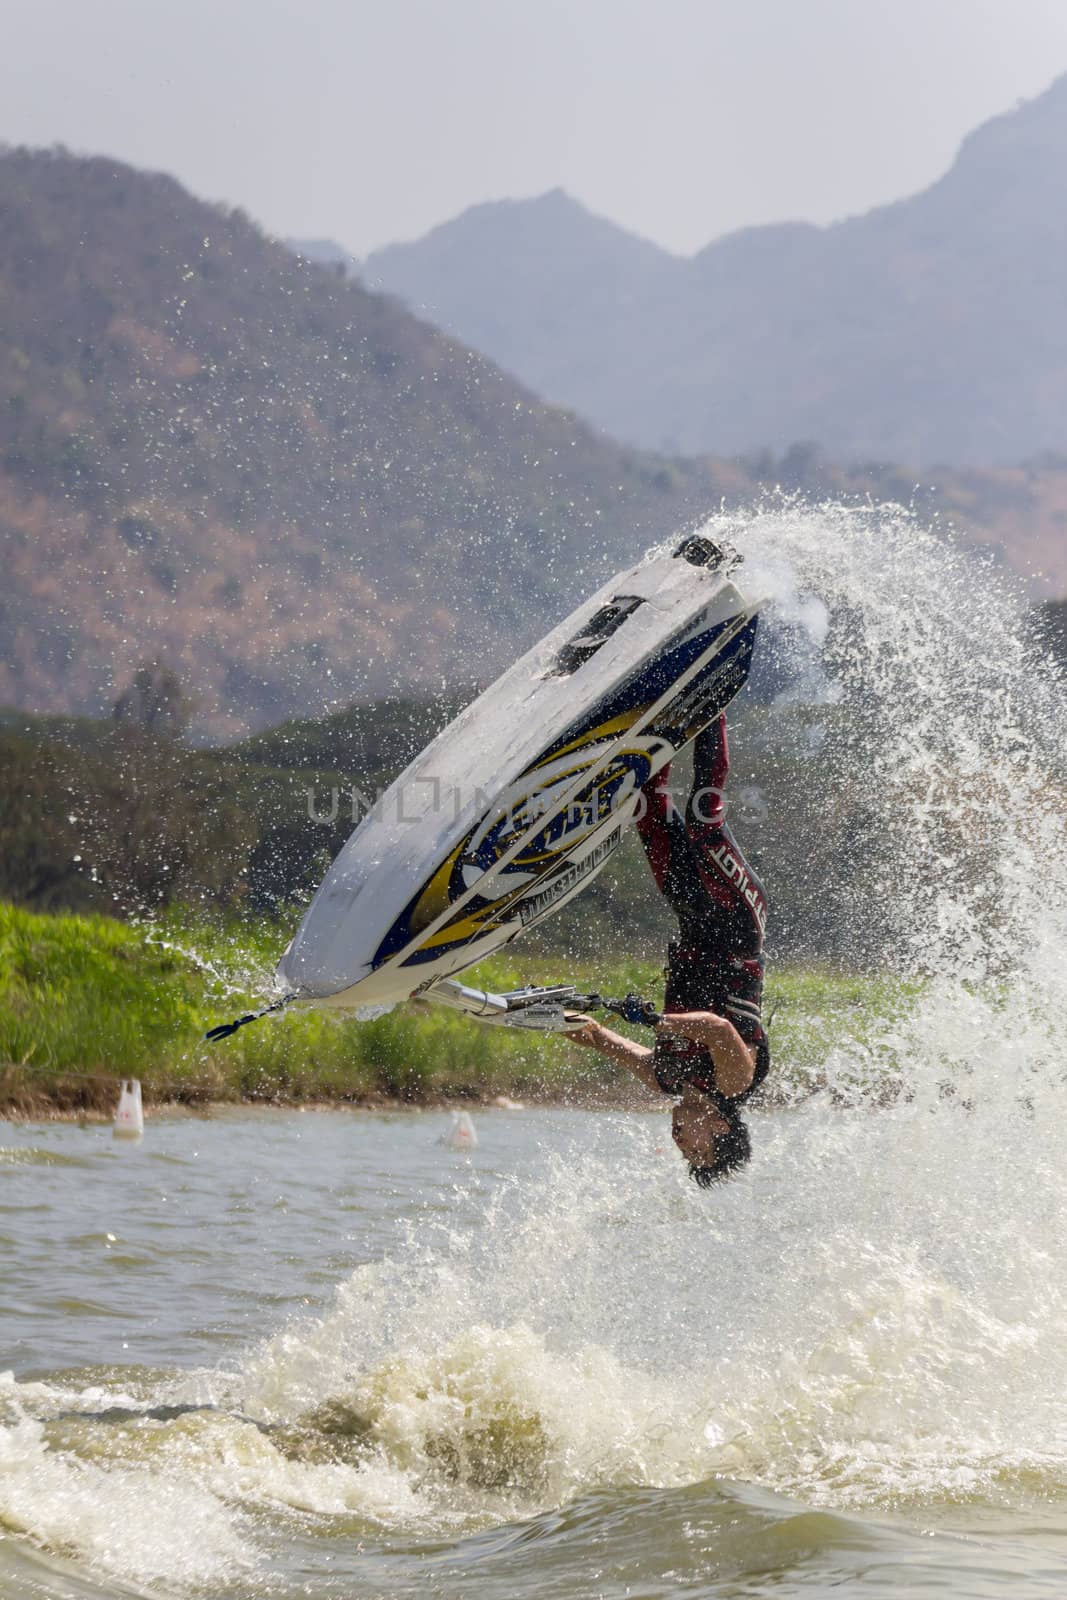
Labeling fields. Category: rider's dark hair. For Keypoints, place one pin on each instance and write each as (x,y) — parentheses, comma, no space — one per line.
(732,1150)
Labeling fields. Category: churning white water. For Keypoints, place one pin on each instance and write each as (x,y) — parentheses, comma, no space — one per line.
(871,1319)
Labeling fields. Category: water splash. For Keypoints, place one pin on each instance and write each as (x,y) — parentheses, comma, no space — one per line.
(946,724)
(874,1311)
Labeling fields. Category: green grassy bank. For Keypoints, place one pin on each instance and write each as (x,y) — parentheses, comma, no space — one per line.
(84,1000)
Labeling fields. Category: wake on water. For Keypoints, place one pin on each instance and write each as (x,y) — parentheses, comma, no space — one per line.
(873,1314)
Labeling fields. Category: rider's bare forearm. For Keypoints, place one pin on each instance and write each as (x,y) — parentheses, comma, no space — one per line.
(636,1058)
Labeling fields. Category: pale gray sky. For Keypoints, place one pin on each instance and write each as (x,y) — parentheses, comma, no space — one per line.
(680,119)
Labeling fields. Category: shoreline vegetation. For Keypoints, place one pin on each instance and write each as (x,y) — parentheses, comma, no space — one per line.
(88,1000)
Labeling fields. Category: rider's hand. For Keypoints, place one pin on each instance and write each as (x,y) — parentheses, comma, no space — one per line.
(582,1029)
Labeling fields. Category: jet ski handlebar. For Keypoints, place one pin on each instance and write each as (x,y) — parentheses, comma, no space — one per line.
(631,1008)
(549,1009)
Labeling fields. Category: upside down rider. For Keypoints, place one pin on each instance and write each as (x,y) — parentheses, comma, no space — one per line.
(711,1052)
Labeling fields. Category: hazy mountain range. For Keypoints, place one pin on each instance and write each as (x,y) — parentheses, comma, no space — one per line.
(294,492)
(289,488)
(932,330)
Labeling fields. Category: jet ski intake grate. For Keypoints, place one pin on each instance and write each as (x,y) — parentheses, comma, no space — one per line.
(597,631)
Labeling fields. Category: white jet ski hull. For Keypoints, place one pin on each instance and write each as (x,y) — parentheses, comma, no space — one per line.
(523,798)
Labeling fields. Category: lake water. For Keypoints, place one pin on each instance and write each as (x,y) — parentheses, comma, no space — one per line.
(320,1354)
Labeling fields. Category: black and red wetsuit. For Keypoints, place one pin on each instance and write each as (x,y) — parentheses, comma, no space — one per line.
(716,964)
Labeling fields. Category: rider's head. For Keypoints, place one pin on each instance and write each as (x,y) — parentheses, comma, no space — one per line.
(713,1145)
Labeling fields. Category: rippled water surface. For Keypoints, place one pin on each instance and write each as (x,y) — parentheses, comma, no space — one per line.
(320,1354)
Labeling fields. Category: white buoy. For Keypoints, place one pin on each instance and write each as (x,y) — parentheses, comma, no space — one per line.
(461,1135)
(129,1118)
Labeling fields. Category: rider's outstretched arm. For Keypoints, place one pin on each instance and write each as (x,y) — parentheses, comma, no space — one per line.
(636,1058)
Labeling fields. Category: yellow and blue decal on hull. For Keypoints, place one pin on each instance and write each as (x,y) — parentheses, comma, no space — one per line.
(537,796)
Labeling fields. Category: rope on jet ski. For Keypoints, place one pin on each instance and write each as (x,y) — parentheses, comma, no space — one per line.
(224,1029)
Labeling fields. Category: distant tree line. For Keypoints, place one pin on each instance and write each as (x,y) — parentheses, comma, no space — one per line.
(124,816)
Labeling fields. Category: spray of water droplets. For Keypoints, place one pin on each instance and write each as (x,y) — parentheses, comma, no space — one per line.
(873,1312)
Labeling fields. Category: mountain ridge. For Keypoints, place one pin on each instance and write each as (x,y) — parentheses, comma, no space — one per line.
(287,486)
(931,329)
(296,494)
